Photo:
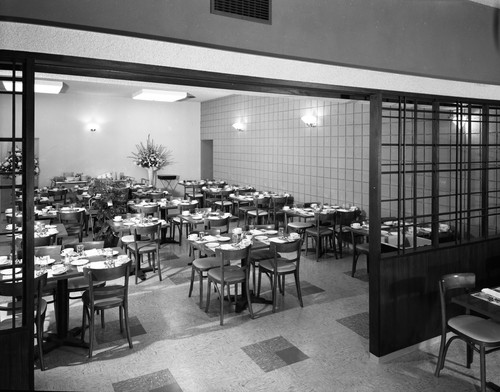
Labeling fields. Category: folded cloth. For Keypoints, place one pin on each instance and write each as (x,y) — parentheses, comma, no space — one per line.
(92,252)
(491,292)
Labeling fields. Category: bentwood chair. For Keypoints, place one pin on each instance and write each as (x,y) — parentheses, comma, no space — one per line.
(13,308)
(219,223)
(146,242)
(222,201)
(261,211)
(277,215)
(481,335)
(200,267)
(358,249)
(227,275)
(341,232)
(58,195)
(177,222)
(256,256)
(322,233)
(114,295)
(277,267)
(73,222)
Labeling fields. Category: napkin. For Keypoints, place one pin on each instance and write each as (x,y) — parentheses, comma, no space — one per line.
(92,252)
(491,292)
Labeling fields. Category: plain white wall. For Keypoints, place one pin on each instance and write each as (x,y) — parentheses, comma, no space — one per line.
(67,145)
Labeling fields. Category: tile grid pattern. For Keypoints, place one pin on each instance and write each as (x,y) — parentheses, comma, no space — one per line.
(277,151)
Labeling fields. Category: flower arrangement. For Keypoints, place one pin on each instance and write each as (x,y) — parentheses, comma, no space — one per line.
(151,155)
(14,162)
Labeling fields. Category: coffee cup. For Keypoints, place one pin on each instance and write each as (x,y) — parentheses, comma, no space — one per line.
(117,218)
(355,225)
(286,208)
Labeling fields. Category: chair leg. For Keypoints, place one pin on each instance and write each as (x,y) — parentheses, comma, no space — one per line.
(274,283)
(354,262)
(191,282)
(159,266)
(299,290)
(127,327)
(208,295)
(248,299)
(482,366)
(91,333)
(39,338)
(221,302)
(201,289)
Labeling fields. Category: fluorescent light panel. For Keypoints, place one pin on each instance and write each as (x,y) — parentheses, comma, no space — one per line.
(159,95)
(41,86)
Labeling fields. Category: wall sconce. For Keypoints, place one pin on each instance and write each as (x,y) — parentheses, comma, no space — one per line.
(309,120)
(240,127)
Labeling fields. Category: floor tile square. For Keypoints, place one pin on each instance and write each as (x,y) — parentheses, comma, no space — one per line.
(359,323)
(274,353)
(361,274)
(162,381)
(291,355)
(305,287)
(180,277)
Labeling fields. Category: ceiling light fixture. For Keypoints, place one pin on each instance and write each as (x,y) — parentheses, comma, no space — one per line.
(159,95)
(41,86)
(309,120)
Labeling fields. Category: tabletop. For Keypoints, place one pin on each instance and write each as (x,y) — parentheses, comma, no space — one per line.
(476,303)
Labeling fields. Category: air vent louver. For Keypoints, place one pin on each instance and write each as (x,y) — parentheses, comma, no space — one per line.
(253,10)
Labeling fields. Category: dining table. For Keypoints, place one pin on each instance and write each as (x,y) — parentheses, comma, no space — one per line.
(485,302)
(199,218)
(60,271)
(57,230)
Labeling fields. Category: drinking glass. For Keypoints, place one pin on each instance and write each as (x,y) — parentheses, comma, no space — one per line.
(79,249)
(281,232)
(108,253)
(202,234)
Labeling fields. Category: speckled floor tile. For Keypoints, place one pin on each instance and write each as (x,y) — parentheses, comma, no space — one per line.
(322,347)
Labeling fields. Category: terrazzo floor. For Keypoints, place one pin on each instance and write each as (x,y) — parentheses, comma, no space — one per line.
(320,347)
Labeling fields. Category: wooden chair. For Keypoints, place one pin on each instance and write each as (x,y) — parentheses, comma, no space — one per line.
(480,335)
(73,222)
(200,267)
(322,233)
(358,249)
(277,215)
(226,275)
(260,211)
(341,232)
(108,297)
(14,290)
(146,242)
(219,223)
(278,267)
(222,201)
(256,256)
(151,210)
(176,222)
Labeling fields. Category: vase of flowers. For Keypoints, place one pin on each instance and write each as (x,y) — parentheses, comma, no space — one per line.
(13,163)
(151,157)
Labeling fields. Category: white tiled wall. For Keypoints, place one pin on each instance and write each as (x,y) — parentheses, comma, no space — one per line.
(276,151)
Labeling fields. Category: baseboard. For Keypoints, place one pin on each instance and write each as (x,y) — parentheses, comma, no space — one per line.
(424,346)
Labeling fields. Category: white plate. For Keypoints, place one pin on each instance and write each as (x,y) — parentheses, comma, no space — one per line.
(212,244)
(50,226)
(9,271)
(79,261)
(271,232)
(261,238)
(224,239)
(58,270)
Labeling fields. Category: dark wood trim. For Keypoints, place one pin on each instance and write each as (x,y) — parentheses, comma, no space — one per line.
(376,337)
(151,37)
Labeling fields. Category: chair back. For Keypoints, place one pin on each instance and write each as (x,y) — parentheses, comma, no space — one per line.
(221,223)
(13,288)
(323,220)
(188,207)
(17,219)
(278,202)
(228,255)
(150,231)
(104,275)
(71,217)
(54,251)
(44,241)
(287,247)
(464,282)
(153,210)
(87,245)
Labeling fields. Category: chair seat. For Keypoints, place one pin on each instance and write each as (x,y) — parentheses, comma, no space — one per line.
(206,263)
(178,220)
(81,283)
(261,213)
(300,225)
(283,265)
(259,255)
(232,274)
(142,247)
(477,328)
(102,303)
(322,231)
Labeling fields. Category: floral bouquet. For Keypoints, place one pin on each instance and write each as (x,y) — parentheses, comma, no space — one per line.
(14,163)
(151,155)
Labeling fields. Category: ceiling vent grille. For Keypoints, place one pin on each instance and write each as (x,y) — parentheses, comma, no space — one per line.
(253,10)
